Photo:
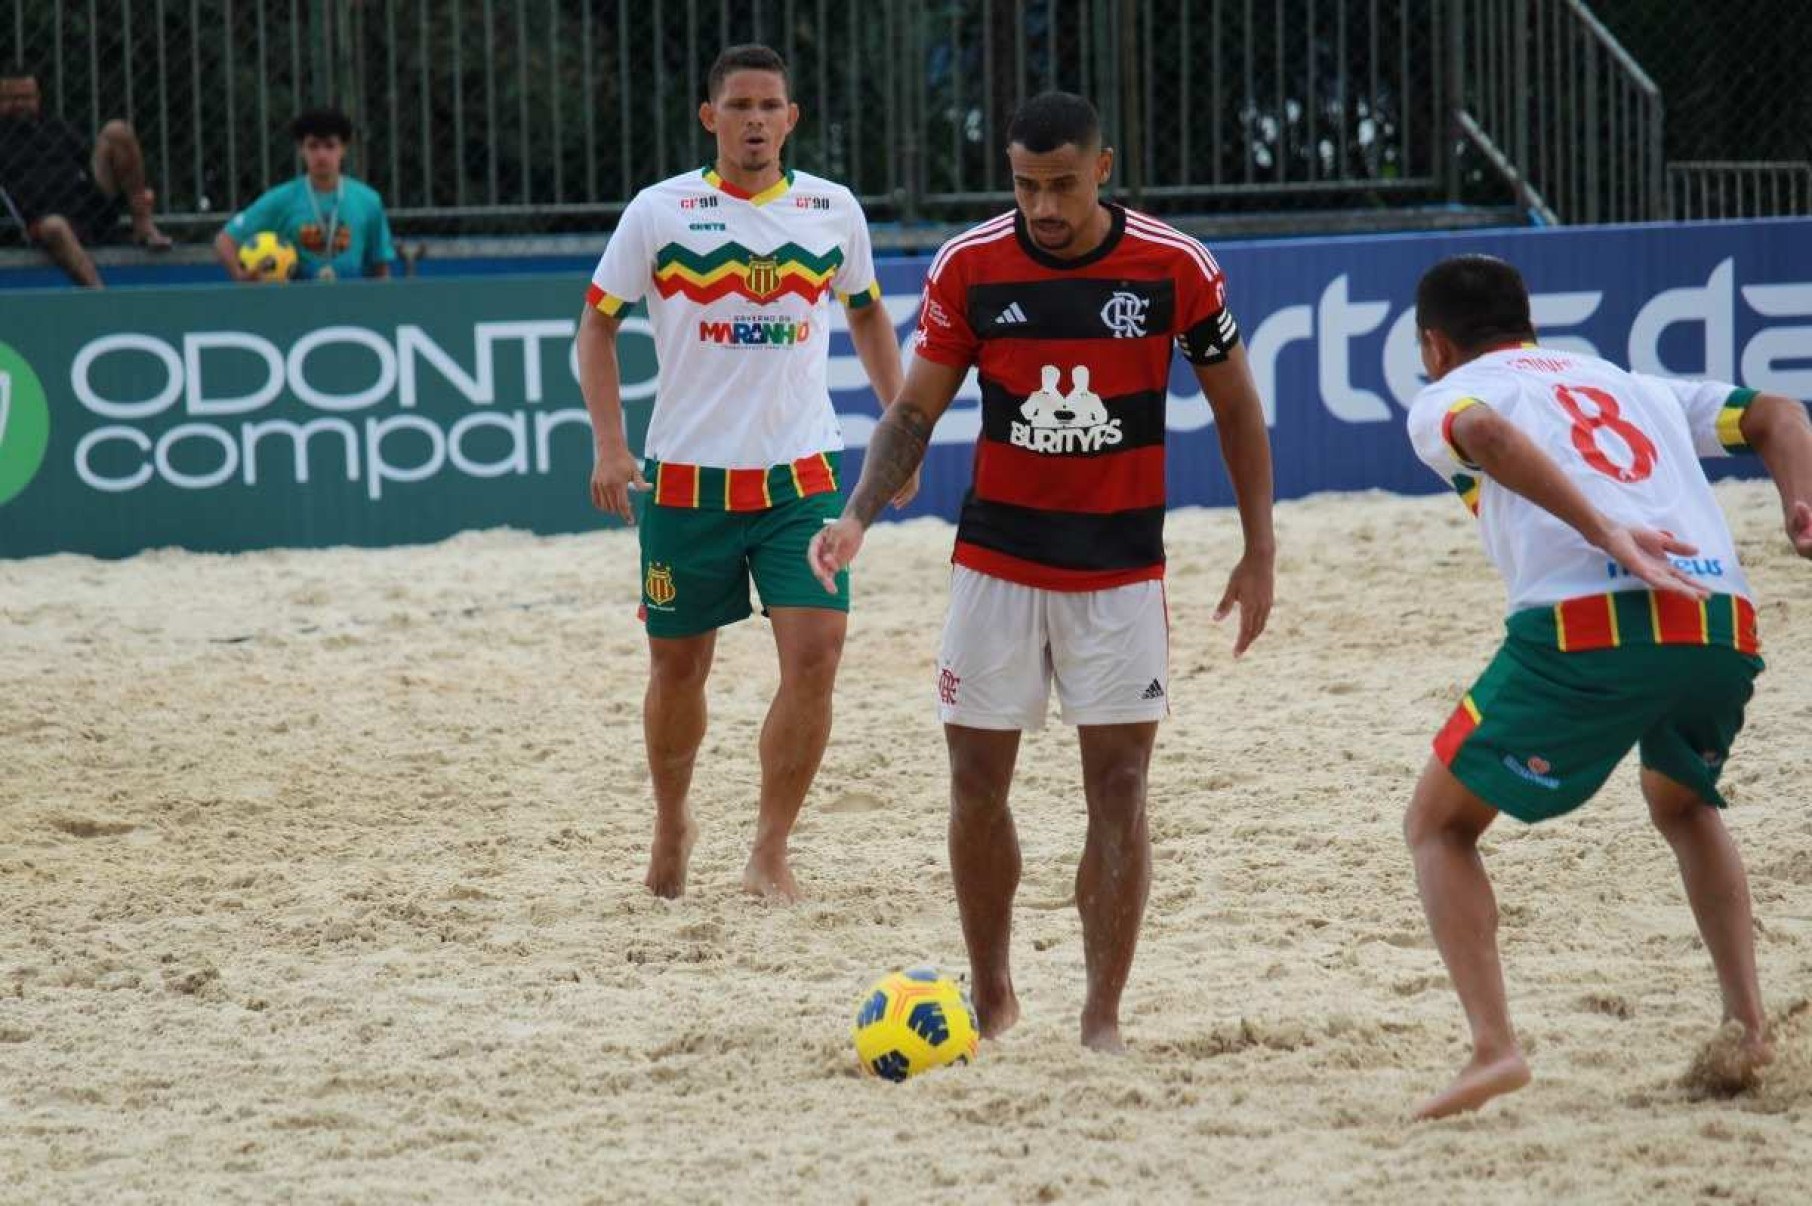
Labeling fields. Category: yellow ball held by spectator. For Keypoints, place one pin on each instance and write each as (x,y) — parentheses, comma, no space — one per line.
(268,258)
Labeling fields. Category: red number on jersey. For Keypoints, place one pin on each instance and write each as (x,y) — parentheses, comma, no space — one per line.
(1605,415)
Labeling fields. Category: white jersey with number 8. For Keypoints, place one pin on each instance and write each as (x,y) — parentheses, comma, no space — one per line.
(1631,443)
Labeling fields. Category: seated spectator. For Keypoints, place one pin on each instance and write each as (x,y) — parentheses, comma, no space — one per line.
(336,223)
(65,191)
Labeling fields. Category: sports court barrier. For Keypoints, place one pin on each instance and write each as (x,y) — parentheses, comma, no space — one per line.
(377,413)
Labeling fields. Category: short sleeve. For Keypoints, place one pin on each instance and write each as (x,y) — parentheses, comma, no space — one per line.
(379,248)
(943,332)
(1714,411)
(1206,332)
(855,283)
(1431,418)
(266,213)
(627,265)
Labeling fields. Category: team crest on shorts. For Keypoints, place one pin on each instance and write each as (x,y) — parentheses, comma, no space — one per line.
(658,585)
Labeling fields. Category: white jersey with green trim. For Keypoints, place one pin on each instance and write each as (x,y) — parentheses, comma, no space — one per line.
(738,289)
(1631,443)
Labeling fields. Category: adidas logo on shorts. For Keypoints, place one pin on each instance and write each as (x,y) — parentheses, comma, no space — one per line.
(1155,691)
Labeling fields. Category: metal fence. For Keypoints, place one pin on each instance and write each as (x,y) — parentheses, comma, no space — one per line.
(543,114)
(1743,189)
(546,115)
(1559,109)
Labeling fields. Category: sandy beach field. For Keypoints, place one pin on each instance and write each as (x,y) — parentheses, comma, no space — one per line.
(320,881)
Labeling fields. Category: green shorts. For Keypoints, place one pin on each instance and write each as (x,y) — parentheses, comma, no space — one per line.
(1541,730)
(696,564)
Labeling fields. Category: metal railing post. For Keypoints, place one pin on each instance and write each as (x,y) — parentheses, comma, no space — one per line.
(1456,96)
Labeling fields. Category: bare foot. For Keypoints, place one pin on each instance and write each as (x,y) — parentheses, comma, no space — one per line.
(996,1012)
(1104,1038)
(769,877)
(1477,1083)
(1730,1063)
(668,857)
(144,231)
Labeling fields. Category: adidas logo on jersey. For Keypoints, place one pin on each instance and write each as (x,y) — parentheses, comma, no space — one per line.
(1155,691)
(1011,316)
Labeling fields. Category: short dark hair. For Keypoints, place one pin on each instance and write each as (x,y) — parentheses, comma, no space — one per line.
(750,56)
(321,123)
(1474,300)
(1053,119)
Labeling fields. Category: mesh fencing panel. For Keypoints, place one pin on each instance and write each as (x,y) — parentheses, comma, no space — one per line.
(529,117)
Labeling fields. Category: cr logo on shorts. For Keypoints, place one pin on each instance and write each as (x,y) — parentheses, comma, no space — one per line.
(947,683)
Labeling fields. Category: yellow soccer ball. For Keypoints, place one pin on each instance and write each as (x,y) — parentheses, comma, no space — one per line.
(268,258)
(911,1022)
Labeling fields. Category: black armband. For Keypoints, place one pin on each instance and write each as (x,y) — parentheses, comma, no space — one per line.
(1210,341)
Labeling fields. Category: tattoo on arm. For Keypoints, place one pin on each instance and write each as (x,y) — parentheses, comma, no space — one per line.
(895,451)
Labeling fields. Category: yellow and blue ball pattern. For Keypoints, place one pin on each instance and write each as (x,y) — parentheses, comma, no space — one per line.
(911,1022)
(267,257)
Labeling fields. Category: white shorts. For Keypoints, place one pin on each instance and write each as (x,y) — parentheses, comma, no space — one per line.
(1109,651)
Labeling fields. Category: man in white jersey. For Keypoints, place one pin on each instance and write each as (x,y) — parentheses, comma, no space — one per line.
(1630,624)
(738,263)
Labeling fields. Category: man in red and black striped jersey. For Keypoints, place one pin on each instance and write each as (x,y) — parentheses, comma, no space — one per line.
(1069,309)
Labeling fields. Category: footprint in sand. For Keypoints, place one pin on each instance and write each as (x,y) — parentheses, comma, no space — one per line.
(855,801)
(85,827)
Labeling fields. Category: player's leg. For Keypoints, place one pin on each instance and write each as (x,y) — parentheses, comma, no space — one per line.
(1683,756)
(673,727)
(993,683)
(119,171)
(1114,878)
(694,582)
(1110,654)
(984,865)
(57,236)
(1718,890)
(798,725)
(809,627)
(1443,827)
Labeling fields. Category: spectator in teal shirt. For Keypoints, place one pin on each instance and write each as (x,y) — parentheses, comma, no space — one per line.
(335,223)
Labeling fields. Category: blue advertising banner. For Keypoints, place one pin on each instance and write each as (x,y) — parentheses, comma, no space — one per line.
(222,418)
(1329,325)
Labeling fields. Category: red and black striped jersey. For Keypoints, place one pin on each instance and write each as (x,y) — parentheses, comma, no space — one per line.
(1074,361)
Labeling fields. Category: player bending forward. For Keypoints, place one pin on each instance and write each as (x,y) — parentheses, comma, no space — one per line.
(738,263)
(1069,309)
(1630,623)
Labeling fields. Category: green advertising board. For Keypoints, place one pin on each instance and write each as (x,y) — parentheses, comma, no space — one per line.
(223,418)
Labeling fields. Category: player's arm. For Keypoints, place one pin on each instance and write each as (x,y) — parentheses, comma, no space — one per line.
(895,452)
(1777,430)
(1239,419)
(615,471)
(878,347)
(1483,438)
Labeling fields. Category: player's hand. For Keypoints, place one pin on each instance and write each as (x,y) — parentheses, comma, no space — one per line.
(1799,528)
(832,549)
(1644,552)
(908,492)
(615,473)
(1250,587)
